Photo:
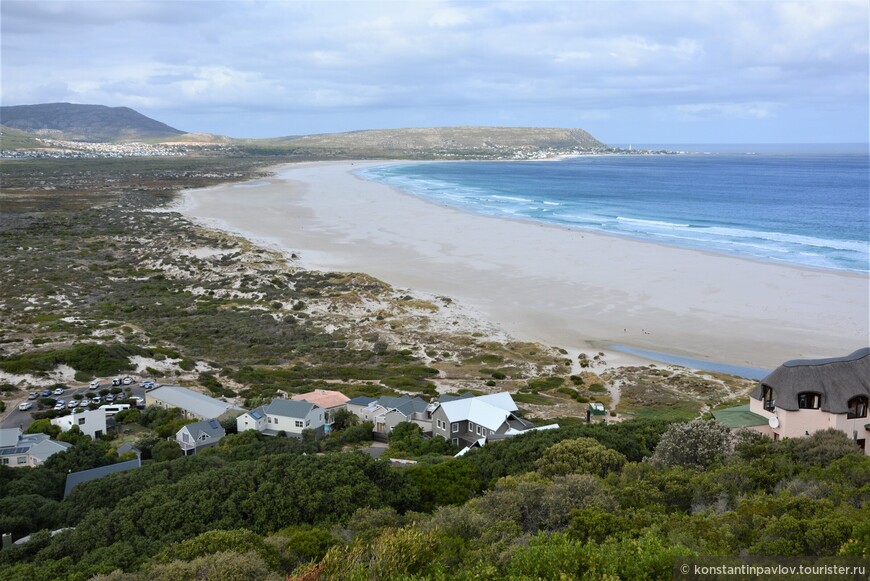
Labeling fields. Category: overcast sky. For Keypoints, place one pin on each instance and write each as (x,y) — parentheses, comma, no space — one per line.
(628,72)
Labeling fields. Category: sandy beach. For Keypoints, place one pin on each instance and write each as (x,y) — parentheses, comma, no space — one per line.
(562,287)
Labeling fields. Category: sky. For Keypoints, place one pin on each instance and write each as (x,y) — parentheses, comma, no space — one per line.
(664,72)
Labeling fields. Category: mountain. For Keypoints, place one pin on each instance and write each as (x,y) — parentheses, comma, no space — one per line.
(84,122)
(455,140)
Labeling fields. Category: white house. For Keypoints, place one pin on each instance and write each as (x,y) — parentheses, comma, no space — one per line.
(17,450)
(470,421)
(90,422)
(284,415)
(199,435)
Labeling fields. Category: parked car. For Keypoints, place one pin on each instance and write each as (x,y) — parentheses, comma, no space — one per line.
(59,406)
(149,384)
(110,398)
(96,399)
(25,406)
(116,382)
(46,393)
(32,395)
(140,403)
(127,381)
(58,391)
(94,385)
(85,402)
(72,404)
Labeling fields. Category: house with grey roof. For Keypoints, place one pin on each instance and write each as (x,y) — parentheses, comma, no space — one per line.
(471,421)
(192,403)
(19,450)
(199,435)
(284,415)
(75,478)
(801,397)
(402,409)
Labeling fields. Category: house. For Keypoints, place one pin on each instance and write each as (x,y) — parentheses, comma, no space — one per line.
(18,450)
(75,478)
(802,397)
(465,421)
(192,404)
(199,435)
(386,412)
(283,415)
(90,422)
(327,400)
(363,408)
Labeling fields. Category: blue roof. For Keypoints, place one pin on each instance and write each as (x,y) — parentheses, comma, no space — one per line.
(76,478)
(213,424)
(256,415)
(361,400)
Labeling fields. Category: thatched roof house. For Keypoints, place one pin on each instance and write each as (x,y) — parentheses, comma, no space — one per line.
(836,381)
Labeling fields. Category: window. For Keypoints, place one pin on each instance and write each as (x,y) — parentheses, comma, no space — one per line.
(455,427)
(22,459)
(478,431)
(185,438)
(307,423)
(5,460)
(81,421)
(299,423)
(768,398)
(455,441)
(203,437)
(809,400)
(857,407)
(470,426)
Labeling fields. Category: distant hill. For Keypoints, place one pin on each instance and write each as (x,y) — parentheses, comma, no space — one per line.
(456,140)
(84,122)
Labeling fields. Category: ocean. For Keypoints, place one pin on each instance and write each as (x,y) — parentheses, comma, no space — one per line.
(799,207)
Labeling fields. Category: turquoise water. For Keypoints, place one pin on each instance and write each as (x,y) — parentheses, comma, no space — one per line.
(806,209)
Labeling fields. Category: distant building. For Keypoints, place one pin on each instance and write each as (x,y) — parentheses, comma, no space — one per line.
(329,401)
(192,403)
(90,422)
(19,450)
(802,397)
(283,415)
(199,435)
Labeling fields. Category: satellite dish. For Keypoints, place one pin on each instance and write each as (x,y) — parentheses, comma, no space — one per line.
(773,422)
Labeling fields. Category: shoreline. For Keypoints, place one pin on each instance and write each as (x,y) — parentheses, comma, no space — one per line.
(546,283)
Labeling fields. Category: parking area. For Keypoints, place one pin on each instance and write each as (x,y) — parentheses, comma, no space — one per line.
(16,417)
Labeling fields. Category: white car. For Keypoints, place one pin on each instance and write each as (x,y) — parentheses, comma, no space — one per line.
(94,385)
(116,382)
(84,402)
(140,403)
(127,381)
(110,398)
(96,399)
(58,391)
(72,404)
(25,406)
(59,407)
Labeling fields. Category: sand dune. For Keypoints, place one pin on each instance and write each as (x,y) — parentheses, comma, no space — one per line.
(563,287)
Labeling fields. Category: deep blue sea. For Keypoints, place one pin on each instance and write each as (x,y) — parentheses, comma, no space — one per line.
(800,207)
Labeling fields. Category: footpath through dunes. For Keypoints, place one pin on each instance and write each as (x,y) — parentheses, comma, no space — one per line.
(549,284)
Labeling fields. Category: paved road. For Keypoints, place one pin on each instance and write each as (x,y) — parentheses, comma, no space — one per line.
(17,418)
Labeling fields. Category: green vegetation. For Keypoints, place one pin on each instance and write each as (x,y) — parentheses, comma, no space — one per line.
(576,502)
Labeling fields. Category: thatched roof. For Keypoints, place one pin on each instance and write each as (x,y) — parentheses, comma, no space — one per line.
(837,379)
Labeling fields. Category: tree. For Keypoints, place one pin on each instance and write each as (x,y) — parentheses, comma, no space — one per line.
(696,444)
(43,427)
(583,455)
(165,450)
(342,419)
